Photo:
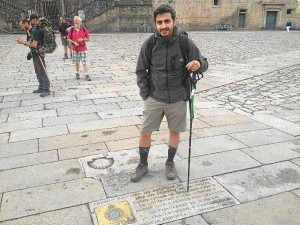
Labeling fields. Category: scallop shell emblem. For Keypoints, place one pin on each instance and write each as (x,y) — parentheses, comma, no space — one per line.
(101,163)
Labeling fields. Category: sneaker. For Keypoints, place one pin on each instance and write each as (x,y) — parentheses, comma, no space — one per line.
(37,91)
(139,172)
(66,56)
(171,172)
(77,76)
(45,93)
(87,77)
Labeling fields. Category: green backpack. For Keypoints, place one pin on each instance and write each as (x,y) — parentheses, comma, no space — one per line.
(49,44)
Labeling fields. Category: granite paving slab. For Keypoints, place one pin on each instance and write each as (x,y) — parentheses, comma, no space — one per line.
(54,121)
(90,137)
(48,100)
(21,125)
(152,206)
(225,120)
(209,145)
(275,210)
(189,221)
(27,160)
(18,148)
(32,176)
(278,123)
(272,153)
(262,137)
(228,129)
(31,115)
(68,216)
(43,132)
(61,195)
(296,161)
(4,138)
(214,164)
(103,124)
(297,192)
(261,182)
(81,151)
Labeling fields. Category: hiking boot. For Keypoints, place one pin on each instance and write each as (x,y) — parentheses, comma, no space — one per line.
(87,77)
(45,93)
(139,172)
(171,173)
(37,91)
(77,76)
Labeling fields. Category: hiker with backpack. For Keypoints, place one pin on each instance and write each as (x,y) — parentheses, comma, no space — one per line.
(78,36)
(63,29)
(34,42)
(163,83)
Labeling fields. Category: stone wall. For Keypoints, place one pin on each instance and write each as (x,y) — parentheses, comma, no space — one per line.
(137,15)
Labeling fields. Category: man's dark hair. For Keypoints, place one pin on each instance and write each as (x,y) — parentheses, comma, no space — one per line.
(33,16)
(164,8)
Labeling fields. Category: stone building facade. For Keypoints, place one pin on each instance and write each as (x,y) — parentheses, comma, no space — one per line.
(136,15)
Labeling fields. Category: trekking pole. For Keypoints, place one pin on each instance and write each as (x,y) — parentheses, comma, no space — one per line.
(45,70)
(193,80)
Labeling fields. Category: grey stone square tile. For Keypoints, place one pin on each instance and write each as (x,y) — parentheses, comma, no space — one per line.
(261,182)
(54,121)
(54,197)
(276,210)
(194,220)
(18,148)
(27,160)
(272,153)
(278,123)
(214,164)
(4,138)
(67,216)
(21,125)
(38,133)
(209,145)
(228,129)
(33,176)
(262,137)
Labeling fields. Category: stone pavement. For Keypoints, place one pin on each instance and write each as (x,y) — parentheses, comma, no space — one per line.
(66,159)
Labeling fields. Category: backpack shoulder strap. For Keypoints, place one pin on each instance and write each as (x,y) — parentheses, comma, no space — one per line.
(183,44)
(150,44)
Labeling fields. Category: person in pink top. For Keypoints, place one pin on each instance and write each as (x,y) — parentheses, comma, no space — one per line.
(78,36)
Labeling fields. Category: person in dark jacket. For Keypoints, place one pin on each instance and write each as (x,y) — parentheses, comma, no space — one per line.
(164,94)
(63,26)
(34,42)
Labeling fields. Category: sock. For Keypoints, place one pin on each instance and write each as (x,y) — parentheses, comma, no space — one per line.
(144,152)
(171,154)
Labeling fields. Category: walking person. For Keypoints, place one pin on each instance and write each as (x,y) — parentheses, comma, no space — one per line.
(288,25)
(34,42)
(63,30)
(78,36)
(33,20)
(160,80)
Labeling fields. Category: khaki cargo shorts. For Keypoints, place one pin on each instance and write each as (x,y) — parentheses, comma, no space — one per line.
(154,111)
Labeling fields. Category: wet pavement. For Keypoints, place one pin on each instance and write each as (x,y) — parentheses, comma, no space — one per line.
(66,159)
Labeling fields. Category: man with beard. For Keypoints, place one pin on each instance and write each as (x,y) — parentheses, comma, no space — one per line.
(78,36)
(160,80)
(34,42)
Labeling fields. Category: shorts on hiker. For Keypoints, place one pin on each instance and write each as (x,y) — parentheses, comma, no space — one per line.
(64,40)
(154,111)
(78,57)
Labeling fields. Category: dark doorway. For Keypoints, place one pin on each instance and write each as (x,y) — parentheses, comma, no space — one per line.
(271,20)
(242,17)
